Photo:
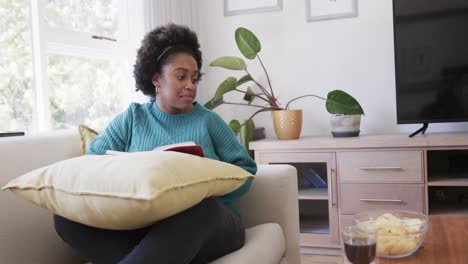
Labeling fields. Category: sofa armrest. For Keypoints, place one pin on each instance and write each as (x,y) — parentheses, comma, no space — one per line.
(27,234)
(273,199)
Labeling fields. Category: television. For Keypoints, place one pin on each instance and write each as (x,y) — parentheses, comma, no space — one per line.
(431,61)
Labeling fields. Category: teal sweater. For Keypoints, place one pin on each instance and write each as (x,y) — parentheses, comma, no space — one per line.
(142,127)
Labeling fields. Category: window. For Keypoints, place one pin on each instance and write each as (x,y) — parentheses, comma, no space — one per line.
(16,93)
(65,62)
(95,17)
(82,91)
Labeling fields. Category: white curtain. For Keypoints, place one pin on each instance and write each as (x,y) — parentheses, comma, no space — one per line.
(160,12)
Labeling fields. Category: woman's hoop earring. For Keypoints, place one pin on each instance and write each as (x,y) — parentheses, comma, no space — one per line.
(157,89)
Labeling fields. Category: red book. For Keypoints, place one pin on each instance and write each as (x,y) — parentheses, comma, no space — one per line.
(194,150)
(188,147)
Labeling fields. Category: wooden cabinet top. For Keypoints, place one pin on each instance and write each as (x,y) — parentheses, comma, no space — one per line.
(429,140)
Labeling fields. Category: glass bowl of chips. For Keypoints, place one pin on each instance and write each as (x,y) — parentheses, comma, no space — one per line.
(399,233)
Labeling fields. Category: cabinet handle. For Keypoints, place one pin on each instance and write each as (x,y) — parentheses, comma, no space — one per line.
(380,200)
(333,192)
(381,168)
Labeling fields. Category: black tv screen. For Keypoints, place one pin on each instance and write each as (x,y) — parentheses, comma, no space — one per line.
(431,60)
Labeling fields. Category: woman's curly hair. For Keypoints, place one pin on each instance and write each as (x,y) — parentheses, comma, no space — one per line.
(156,48)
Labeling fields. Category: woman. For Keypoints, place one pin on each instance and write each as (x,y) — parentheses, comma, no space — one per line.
(168,71)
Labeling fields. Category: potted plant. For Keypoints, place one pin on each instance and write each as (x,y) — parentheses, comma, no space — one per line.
(345,119)
(287,122)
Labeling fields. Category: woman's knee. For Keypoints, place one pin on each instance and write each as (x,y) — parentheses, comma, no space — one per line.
(208,204)
(206,210)
(74,234)
(97,245)
(63,227)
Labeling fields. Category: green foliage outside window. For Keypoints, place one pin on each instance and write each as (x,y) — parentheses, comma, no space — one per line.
(16,93)
(81,90)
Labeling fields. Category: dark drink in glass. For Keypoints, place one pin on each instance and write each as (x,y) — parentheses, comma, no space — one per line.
(359,244)
(360,251)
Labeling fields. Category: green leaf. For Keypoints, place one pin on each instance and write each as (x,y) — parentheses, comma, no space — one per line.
(339,102)
(214,102)
(244,79)
(226,86)
(235,126)
(249,96)
(246,134)
(230,63)
(247,42)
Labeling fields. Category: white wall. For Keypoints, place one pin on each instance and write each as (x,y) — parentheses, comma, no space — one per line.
(353,54)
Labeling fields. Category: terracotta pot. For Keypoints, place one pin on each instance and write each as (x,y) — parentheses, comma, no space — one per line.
(287,123)
(345,125)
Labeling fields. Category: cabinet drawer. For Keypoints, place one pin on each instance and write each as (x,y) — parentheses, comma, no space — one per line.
(355,198)
(380,166)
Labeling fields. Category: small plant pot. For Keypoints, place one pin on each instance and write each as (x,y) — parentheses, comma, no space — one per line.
(345,125)
(287,123)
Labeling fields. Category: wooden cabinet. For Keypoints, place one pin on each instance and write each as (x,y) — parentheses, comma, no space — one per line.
(318,197)
(385,179)
(339,177)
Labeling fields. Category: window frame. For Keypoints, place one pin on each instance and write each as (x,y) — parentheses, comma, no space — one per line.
(50,41)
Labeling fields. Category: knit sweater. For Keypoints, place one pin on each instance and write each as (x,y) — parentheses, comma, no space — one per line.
(143,127)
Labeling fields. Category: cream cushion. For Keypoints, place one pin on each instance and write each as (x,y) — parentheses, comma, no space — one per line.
(127,191)
(87,136)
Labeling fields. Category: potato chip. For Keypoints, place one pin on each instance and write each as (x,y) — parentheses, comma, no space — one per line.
(396,236)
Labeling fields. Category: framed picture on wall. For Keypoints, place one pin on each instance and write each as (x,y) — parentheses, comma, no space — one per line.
(330,9)
(240,7)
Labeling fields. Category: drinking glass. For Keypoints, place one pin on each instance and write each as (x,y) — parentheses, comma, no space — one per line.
(359,244)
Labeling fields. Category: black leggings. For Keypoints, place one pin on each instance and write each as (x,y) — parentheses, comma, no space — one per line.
(199,234)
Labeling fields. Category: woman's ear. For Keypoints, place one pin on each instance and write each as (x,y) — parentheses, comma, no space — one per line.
(155,80)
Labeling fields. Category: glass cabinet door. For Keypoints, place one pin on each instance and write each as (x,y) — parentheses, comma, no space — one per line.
(318,209)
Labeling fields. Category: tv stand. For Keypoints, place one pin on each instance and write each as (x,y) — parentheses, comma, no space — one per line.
(426,174)
(422,130)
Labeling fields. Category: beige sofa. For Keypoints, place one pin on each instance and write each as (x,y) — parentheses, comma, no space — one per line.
(27,235)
